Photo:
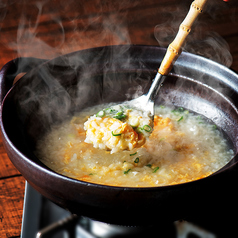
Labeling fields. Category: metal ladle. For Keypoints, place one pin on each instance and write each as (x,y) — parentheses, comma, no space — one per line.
(146,101)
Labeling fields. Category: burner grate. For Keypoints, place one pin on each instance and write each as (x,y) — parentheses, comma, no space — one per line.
(44,219)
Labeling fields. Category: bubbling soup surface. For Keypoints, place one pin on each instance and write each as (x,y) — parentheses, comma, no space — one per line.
(182,147)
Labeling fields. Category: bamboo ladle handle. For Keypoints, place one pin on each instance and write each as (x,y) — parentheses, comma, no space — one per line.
(174,49)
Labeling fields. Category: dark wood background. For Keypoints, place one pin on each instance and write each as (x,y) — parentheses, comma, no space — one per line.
(48,28)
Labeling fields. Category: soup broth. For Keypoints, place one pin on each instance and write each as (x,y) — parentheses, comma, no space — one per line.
(182,147)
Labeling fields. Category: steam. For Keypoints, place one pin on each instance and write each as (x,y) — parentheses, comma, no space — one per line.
(68,31)
(28,42)
(213,47)
(202,42)
(78,31)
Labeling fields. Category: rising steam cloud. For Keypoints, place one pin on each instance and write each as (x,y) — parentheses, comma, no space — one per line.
(70,31)
(202,42)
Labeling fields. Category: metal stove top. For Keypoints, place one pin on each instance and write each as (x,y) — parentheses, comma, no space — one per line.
(44,219)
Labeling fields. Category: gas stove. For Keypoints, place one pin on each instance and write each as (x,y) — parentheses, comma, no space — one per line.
(44,219)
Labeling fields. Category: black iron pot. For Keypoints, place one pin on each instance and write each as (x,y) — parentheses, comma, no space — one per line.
(53,90)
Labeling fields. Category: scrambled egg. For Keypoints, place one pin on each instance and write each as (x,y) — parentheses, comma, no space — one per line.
(112,134)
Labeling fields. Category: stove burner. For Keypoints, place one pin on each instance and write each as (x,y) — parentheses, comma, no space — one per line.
(44,219)
(87,228)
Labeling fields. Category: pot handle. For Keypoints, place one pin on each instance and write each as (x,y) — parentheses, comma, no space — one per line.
(14,67)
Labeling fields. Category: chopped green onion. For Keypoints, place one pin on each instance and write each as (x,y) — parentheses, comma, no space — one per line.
(120,115)
(100,113)
(180,109)
(149,165)
(177,111)
(116,134)
(134,121)
(155,169)
(180,119)
(136,160)
(110,110)
(133,154)
(147,128)
(127,171)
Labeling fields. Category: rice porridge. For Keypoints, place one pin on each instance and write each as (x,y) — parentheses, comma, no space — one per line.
(180,147)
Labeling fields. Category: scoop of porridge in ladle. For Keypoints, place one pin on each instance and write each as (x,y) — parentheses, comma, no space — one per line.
(132,121)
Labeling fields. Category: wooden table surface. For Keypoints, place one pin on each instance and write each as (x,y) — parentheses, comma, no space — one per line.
(48,28)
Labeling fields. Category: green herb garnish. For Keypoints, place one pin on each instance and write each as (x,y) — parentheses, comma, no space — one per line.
(180,119)
(133,154)
(136,160)
(149,165)
(147,128)
(155,169)
(178,111)
(120,115)
(116,134)
(127,171)
(110,110)
(100,113)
